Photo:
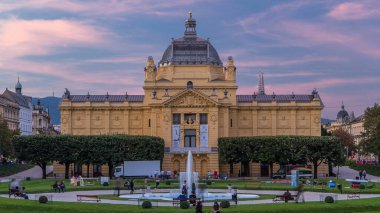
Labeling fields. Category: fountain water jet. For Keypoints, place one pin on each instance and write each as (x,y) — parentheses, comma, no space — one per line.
(190,177)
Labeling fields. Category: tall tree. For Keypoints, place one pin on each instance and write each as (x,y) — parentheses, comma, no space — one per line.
(371,134)
(6,149)
(347,140)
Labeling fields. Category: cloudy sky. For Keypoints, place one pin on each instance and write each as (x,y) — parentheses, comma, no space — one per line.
(102,45)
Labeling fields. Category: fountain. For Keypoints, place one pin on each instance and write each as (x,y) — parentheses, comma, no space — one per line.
(190,177)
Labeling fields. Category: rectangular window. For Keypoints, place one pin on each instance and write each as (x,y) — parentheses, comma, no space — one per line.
(176,118)
(190,138)
(203,118)
(190,118)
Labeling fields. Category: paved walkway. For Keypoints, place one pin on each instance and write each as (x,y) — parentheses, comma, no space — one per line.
(346,173)
(72,196)
(34,173)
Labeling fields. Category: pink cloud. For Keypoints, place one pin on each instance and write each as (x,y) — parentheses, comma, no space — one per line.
(40,37)
(101,7)
(268,62)
(355,10)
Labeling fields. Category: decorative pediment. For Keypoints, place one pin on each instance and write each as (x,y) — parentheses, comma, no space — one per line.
(190,98)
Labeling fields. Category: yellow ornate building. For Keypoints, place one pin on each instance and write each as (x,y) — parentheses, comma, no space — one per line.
(190,101)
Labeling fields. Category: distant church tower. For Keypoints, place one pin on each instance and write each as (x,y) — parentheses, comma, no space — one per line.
(18,87)
(261,84)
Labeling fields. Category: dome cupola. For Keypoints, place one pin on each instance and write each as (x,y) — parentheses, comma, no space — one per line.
(342,116)
(190,49)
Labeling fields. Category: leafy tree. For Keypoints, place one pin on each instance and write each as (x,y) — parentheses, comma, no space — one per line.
(39,150)
(347,140)
(68,151)
(324,132)
(6,149)
(371,134)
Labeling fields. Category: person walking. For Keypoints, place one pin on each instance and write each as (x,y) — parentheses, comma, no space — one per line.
(198,207)
(364,174)
(118,186)
(360,174)
(300,193)
(131,185)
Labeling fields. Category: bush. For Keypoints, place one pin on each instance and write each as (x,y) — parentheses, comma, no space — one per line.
(168,182)
(329,199)
(361,186)
(27,179)
(105,184)
(184,205)
(43,199)
(146,205)
(208,182)
(225,204)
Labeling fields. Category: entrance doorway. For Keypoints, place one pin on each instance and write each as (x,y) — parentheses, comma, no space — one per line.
(264,170)
(190,138)
(245,169)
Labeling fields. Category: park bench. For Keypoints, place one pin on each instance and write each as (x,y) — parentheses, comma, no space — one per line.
(177,201)
(353,195)
(280,198)
(15,193)
(88,198)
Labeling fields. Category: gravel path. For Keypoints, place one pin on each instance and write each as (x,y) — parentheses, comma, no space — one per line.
(35,173)
(346,173)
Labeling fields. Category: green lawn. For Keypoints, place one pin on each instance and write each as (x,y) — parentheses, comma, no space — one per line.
(362,205)
(7,170)
(40,186)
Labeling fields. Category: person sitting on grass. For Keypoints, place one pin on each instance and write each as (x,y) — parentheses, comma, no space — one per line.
(192,198)
(56,187)
(62,186)
(216,207)
(287,196)
(23,194)
(198,207)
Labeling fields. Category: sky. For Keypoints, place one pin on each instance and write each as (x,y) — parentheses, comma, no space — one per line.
(101,46)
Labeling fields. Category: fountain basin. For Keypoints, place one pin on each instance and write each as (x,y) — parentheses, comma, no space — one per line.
(170,196)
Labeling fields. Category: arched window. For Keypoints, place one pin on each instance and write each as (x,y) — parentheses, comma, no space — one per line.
(189,85)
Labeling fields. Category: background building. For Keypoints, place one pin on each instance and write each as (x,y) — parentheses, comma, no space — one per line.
(41,119)
(190,101)
(25,104)
(9,111)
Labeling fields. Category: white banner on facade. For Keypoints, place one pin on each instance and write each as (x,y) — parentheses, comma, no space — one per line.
(176,135)
(204,135)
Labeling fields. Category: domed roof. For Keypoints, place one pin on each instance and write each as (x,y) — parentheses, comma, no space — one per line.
(190,49)
(342,115)
(18,85)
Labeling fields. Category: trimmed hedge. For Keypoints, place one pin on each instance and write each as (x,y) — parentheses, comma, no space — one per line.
(281,150)
(329,199)
(42,199)
(84,149)
(225,204)
(184,205)
(146,205)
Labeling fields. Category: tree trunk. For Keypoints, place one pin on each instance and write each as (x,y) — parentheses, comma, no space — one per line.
(110,168)
(67,167)
(231,168)
(43,167)
(271,170)
(315,165)
(88,170)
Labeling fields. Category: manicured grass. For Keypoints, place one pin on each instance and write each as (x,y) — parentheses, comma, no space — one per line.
(362,205)
(41,185)
(7,170)
(370,169)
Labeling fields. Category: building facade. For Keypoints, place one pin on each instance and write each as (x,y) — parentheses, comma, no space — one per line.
(190,100)
(9,112)
(25,105)
(41,119)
